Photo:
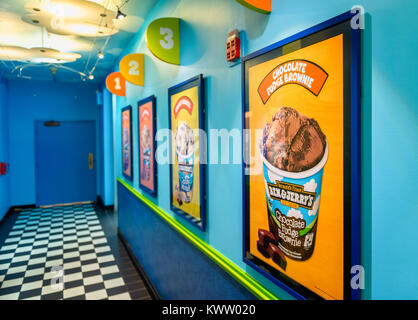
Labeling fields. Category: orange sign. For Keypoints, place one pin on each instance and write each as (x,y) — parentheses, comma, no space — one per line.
(301,72)
(116,84)
(263,6)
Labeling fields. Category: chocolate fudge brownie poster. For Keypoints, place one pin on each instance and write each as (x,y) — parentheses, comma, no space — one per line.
(146,145)
(127,143)
(296,206)
(185,156)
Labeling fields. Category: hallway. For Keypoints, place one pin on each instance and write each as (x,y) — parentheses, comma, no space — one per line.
(66,252)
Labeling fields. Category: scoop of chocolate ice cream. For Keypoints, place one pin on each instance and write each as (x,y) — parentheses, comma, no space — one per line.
(293,142)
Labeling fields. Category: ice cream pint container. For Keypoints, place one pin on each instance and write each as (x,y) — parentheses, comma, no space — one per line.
(125,149)
(293,200)
(146,162)
(185,158)
(146,153)
(186,168)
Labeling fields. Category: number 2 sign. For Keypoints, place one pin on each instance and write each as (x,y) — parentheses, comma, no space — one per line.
(132,68)
(116,84)
(163,39)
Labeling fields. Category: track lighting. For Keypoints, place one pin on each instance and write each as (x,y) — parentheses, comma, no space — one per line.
(120,15)
(100,55)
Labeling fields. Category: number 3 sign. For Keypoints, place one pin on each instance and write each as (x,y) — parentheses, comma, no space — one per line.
(116,84)
(132,68)
(163,39)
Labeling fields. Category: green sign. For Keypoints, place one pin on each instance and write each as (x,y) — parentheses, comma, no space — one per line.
(163,39)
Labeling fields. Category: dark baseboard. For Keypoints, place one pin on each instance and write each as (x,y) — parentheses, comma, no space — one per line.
(9,218)
(20,208)
(152,290)
(102,205)
(14,209)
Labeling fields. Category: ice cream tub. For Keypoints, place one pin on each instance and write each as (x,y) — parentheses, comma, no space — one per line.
(293,200)
(146,163)
(186,167)
(184,141)
(146,153)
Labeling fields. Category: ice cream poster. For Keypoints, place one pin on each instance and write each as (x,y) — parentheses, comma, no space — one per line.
(295,182)
(127,143)
(186,169)
(146,125)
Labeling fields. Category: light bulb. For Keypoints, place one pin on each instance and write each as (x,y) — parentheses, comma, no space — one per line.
(100,55)
(91,77)
(120,15)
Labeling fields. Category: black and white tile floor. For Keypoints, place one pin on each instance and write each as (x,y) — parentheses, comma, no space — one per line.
(63,253)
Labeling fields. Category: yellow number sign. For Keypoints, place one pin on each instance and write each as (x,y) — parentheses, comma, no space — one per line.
(132,67)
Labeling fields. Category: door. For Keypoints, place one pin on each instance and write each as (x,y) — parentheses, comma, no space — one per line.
(65,162)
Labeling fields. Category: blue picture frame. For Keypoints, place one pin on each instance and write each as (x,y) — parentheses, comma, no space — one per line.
(352,148)
(152,192)
(198,82)
(127,108)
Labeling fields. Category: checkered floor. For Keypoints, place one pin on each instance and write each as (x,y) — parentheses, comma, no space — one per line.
(59,253)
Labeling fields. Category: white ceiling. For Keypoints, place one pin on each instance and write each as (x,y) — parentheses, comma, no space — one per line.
(15,32)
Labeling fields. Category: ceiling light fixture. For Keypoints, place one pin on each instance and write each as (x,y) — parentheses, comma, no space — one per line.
(100,55)
(120,15)
(36,55)
(91,77)
(86,18)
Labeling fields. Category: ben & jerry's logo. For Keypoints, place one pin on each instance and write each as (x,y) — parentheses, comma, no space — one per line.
(145,113)
(183,103)
(301,72)
(291,195)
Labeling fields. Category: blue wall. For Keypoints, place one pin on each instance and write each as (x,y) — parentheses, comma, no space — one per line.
(389,121)
(200,278)
(4,149)
(107,178)
(30,100)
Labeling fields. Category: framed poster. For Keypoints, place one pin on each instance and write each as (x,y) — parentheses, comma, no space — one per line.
(187,172)
(147,145)
(301,188)
(127,169)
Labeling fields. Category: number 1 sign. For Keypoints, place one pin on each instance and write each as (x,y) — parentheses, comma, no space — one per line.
(163,39)
(116,84)
(132,68)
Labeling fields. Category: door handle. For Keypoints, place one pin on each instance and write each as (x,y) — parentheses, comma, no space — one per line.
(91,163)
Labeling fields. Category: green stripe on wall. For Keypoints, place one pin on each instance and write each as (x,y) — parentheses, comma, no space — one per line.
(252,285)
